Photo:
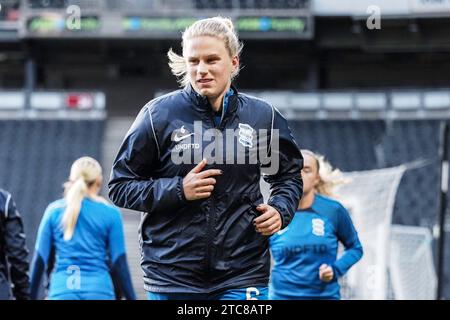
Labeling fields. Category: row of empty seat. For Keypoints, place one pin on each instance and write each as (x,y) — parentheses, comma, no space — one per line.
(35,160)
(365,145)
(383,100)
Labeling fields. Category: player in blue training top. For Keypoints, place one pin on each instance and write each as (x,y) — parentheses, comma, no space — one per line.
(305,252)
(86,233)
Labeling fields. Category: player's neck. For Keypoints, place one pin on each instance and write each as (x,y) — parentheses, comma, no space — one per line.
(94,196)
(307,200)
(216,103)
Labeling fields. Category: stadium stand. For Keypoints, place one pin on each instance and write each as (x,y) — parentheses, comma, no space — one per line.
(364,145)
(36,158)
(251,4)
(365,99)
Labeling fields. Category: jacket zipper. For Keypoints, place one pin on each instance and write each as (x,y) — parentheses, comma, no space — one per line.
(210,224)
(209,241)
(210,215)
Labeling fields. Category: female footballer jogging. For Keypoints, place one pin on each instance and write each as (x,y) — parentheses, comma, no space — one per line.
(305,253)
(192,162)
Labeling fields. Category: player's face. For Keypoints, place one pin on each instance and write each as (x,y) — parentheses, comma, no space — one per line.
(209,66)
(310,173)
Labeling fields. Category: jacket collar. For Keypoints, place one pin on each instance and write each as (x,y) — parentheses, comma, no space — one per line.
(201,103)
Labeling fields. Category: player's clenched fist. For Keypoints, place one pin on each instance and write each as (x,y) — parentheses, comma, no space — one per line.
(326,273)
(199,184)
(269,221)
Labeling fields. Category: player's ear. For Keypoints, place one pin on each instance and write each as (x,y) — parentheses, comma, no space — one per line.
(235,63)
(99,181)
(316,180)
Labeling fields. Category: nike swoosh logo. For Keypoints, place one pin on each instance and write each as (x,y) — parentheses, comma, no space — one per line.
(179,138)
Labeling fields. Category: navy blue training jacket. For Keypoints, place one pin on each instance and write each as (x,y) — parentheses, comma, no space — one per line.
(13,252)
(207,245)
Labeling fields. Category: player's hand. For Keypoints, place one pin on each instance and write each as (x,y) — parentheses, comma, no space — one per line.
(199,184)
(326,273)
(269,221)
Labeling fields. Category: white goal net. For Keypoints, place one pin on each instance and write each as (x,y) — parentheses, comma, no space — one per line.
(412,271)
(398,260)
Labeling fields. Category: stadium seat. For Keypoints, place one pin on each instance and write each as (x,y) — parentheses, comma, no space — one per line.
(36,158)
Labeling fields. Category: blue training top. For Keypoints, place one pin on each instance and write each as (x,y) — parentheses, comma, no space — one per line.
(83,264)
(310,240)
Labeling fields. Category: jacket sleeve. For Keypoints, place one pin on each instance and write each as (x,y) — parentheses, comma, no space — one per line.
(131,184)
(286,185)
(16,251)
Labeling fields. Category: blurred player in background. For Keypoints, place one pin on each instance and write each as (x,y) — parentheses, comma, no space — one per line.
(13,252)
(305,253)
(200,237)
(87,234)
